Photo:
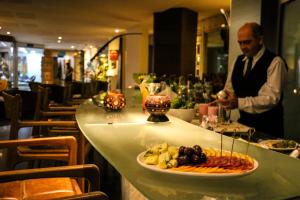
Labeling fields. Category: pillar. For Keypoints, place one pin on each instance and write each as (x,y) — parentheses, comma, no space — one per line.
(175,32)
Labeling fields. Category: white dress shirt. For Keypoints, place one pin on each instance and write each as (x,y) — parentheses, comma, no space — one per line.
(270,92)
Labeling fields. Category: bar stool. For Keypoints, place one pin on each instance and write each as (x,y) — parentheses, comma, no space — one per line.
(53,182)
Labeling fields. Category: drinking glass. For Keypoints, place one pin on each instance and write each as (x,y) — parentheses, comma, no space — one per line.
(212,110)
(203,109)
(227,116)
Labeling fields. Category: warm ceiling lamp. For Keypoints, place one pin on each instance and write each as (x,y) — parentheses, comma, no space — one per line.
(8,33)
(72,47)
(0,27)
(225,13)
(117,30)
(59,37)
(58,41)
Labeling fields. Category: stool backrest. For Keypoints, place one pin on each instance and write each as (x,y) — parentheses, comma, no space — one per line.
(13,107)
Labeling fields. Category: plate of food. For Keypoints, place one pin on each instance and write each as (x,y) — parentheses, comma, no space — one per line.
(197,161)
(279,145)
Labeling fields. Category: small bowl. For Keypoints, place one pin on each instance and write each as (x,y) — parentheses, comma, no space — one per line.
(184,114)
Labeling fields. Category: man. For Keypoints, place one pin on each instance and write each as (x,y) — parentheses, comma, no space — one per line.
(255,84)
(69,73)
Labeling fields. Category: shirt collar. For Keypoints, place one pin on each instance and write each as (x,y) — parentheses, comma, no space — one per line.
(257,56)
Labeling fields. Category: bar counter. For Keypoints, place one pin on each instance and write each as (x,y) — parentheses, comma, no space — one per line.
(121,136)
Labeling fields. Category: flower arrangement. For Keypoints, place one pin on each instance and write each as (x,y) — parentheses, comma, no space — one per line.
(98,69)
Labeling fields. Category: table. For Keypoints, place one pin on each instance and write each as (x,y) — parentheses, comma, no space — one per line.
(121,136)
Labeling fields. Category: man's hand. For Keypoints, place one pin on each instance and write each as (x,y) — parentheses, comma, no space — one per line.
(230,102)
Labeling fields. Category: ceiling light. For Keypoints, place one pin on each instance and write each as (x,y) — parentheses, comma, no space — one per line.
(59,37)
(296,91)
(0,27)
(91,46)
(58,41)
(72,47)
(222,11)
(117,30)
(8,33)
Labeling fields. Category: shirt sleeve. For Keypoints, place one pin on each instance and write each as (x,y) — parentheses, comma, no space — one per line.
(270,93)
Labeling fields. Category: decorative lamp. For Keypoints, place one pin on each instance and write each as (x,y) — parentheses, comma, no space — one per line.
(158,106)
(114,101)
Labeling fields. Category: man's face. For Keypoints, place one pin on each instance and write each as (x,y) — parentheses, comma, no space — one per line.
(249,44)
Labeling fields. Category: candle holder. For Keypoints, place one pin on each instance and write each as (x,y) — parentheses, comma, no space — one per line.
(157,106)
(114,101)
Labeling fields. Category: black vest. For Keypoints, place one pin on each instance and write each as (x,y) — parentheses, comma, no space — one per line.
(270,122)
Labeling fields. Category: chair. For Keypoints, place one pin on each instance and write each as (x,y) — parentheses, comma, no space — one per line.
(13,109)
(58,113)
(90,196)
(3,86)
(33,86)
(72,97)
(47,109)
(61,147)
(44,111)
(51,182)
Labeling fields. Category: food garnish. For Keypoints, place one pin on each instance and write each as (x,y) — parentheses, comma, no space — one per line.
(285,144)
(162,155)
(217,163)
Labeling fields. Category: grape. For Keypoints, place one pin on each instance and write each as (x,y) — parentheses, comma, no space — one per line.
(197,150)
(195,159)
(181,150)
(183,160)
(191,155)
(188,151)
(202,158)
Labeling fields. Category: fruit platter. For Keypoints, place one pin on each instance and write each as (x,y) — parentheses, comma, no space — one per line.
(196,161)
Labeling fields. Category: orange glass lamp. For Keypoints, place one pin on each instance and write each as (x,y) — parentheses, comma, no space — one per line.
(145,94)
